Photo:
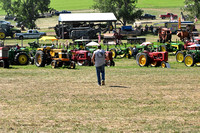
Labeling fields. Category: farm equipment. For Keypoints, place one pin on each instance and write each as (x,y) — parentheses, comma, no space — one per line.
(7,30)
(171,47)
(19,56)
(4,60)
(55,57)
(165,35)
(192,56)
(109,59)
(81,57)
(153,59)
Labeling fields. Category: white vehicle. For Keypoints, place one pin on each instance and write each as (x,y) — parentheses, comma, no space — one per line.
(31,34)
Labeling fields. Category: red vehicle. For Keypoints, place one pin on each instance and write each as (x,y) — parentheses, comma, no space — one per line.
(196,41)
(4,62)
(81,57)
(109,59)
(152,58)
(168,15)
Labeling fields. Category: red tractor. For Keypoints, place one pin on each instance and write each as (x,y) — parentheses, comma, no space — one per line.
(81,57)
(4,61)
(152,58)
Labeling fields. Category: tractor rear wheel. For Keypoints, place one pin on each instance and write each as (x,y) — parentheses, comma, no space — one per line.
(22,58)
(163,64)
(114,53)
(40,59)
(189,60)
(2,35)
(179,56)
(143,59)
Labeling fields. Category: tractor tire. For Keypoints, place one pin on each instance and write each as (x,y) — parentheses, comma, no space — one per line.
(163,64)
(31,55)
(22,58)
(143,60)
(154,64)
(2,35)
(137,56)
(130,52)
(112,63)
(189,60)
(163,17)
(163,48)
(108,63)
(21,38)
(72,65)
(40,59)
(180,56)
(60,64)
(54,64)
(5,63)
(114,53)
(80,63)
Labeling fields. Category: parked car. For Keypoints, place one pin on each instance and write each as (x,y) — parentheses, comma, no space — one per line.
(168,15)
(148,16)
(9,17)
(29,35)
(62,12)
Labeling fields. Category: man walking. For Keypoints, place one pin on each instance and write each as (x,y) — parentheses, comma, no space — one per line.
(98,60)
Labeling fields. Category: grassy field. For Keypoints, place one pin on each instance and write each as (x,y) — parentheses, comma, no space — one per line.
(134,99)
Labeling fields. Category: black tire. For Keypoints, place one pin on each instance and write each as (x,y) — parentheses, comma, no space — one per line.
(32,59)
(112,63)
(180,56)
(60,64)
(163,17)
(189,60)
(22,58)
(143,60)
(72,65)
(163,64)
(130,52)
(137,56)
(40,59)
(114,53)
(108,63)
(21,37)
(5,64)
(54,64)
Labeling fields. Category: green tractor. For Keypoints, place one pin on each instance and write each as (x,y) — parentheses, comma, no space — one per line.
(171,47)
(122,51)
(192,56)
(19,56)
(7,30)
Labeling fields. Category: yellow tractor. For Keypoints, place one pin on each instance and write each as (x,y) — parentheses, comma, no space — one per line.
(55,57)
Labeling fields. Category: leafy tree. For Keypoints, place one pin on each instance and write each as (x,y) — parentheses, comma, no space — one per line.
(26,11)
(124,10)
(193,8)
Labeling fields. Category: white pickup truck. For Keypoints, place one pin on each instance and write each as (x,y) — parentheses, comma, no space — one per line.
(31,34)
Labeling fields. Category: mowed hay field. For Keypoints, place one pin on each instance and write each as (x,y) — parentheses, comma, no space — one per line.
(134,99)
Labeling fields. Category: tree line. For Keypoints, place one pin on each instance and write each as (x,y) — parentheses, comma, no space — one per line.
(126,11)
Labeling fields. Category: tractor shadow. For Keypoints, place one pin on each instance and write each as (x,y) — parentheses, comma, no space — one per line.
(118,86)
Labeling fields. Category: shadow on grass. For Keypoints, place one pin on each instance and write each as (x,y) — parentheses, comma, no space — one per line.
(118,86)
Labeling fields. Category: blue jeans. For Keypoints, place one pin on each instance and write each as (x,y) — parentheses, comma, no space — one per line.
(100,73)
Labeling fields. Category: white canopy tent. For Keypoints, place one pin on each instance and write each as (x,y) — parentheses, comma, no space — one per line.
(85,17)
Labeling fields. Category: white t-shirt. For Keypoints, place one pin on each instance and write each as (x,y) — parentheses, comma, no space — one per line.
(99,57)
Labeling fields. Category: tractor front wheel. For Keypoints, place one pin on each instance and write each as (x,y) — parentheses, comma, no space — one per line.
(189,60)
(22,58)
(179,56)
(54,64)
(72,65)
(163,64)
(143,60)
(154,64)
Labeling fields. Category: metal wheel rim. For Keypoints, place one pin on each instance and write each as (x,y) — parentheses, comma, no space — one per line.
(163,65)
(22,59)
(39,59)
(142,60)
(188,61)
(180,57)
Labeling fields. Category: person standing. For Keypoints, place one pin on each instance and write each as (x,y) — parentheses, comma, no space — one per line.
(98,60)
